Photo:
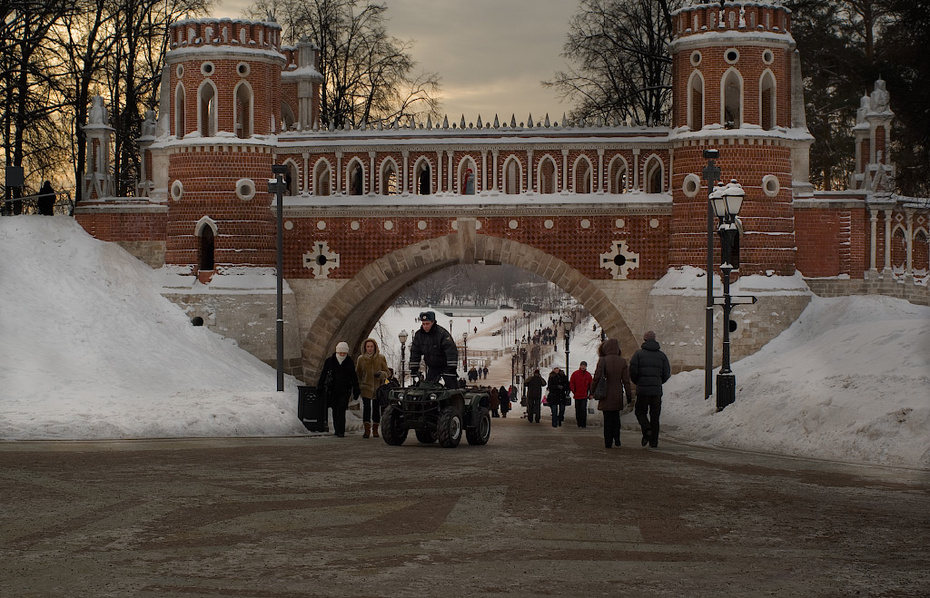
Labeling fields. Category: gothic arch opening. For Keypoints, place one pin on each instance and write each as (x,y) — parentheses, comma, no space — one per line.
(468,177)
(512,176)
(696,101)
(732,100)
(422,174)
(617,177)
(356,178)
(322,178)
(206,245)
(767,115)
(548,174)
(206,114)
(244,110)
(291,178)
(583,179)
(654,172)
(179,115)
(388,183)
(360,303)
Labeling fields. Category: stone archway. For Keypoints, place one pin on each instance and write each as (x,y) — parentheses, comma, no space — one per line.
(358,305)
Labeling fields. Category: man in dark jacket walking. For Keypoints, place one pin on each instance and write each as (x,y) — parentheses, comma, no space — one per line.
(649,369)
(558,395)
(534,385)
(435,346)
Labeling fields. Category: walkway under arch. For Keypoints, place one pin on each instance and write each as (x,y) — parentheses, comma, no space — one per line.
(355,309)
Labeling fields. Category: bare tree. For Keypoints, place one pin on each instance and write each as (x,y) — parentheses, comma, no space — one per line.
(368,75)
(622,69)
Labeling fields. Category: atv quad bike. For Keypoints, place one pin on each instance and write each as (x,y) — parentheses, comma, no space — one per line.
(435,412)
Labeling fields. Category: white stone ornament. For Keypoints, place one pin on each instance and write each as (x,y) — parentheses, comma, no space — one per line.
(321,260)
(619,260)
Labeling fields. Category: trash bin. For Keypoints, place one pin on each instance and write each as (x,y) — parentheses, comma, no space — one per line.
(311,409)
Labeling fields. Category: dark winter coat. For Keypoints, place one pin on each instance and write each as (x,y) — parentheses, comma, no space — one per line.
(558,388)
(618,376)
(649,369)
(534,386)
(437,349)
(338,381)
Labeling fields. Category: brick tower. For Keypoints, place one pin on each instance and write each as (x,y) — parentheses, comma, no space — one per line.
(736,90)
(224,77)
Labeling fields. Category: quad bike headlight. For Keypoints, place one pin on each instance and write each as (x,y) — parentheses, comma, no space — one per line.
(433,396)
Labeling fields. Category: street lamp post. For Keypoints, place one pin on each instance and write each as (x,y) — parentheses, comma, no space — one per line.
(727,201)
(567,326)
(711,175)
(523,356)
(465,342)
(402,337)
(276,186)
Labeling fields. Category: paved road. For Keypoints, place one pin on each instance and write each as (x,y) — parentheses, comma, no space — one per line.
(537,512)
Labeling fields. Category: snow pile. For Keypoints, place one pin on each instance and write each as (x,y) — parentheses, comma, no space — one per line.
(92,350)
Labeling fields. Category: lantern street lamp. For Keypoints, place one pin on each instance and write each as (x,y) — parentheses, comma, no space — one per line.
(727,201)
(402,337)
(567,327)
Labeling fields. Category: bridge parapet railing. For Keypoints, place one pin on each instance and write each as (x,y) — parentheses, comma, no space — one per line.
(29,204)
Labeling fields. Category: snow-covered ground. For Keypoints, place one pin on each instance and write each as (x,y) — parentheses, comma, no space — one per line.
(89,349)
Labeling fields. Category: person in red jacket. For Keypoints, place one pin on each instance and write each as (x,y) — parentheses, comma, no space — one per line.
(580,386)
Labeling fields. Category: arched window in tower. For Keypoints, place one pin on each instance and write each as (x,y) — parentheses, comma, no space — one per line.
(767,101)
(388,183)
(582,181)
(206,115)
(179,120)
(244,110)
(547,175)
(654,175)
(513,175)
(322,179)
(423,177)
(356,178)
(696,101)
(617,175)
(732,90)
(206,248)
(899,250)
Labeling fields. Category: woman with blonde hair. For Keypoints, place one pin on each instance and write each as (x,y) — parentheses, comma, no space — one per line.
(372,370)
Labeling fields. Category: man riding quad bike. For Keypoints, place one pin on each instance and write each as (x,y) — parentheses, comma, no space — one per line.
(436,411)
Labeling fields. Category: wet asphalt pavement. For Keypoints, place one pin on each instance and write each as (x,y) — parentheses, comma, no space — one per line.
(537,512)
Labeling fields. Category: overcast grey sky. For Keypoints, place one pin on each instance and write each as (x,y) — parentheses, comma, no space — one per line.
(491,54)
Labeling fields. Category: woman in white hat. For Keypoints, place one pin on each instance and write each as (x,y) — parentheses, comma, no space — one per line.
(338,384)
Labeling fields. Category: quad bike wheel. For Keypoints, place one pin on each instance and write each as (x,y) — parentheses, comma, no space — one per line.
(392,426)
(482,432)
(449,428)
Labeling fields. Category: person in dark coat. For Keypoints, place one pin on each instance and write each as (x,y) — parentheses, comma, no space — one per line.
(435,346)
(649,370)
(46,200)
(504,397)
(495,398)
(338,384)
(613,366)
(558,395)
(534,385)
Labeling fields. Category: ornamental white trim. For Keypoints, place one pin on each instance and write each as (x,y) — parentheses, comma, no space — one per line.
(619,260)
(321,260)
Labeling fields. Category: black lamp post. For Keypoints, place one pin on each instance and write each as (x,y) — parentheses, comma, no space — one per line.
(523,371)
(465,342)
(567,327)
(402,337)
(276,186)
(711,175)
(727,201)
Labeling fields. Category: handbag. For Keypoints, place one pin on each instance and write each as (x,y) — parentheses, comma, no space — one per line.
(600,391)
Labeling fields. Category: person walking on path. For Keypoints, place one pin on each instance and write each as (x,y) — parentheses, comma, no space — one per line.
(649,370)
(435,346)
(534,386)
(558,395)
(504,397)
(372,370)
(615,368)
(338,384)
(580,386)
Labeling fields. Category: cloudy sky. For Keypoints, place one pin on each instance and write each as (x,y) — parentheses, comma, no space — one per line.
(491,54)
